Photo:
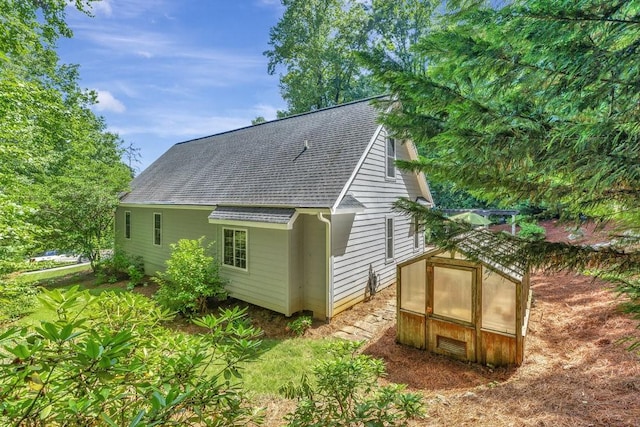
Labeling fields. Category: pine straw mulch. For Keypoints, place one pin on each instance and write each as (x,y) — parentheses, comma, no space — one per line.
(576,371)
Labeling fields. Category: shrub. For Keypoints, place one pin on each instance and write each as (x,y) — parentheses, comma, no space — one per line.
(531,231)
(120,266)
(190,279)
(108,360)
(347,393)
(300,325)
(17,298)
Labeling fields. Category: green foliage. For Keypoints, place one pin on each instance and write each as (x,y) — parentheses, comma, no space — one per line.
(531,231)
(17,298)
(532,103)
(190,279)
(120,266)
(300,325)
(346,393)
(316,41)
(318,44)
(61,171)
(119,366)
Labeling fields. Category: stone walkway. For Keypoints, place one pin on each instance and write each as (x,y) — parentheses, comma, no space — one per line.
(365,329)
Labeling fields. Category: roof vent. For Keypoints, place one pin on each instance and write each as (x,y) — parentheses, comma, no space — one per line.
(306,144)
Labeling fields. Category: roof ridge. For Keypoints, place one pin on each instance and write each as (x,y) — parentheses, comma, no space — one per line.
(284,118)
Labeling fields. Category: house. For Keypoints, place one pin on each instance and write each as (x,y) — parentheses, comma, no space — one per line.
(299,208)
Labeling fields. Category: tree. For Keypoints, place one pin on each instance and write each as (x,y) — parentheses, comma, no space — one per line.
(51,143)
(316,42)
(109,361)
(258,120)
(319,44)
(533,102)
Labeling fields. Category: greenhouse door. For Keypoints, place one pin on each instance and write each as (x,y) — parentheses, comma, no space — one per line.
(451,310)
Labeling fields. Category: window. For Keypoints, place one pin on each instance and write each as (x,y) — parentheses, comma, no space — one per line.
(416,233)
(157,229)
(391,158)
(452,293)
(235,248)
(127,224)
(389,239)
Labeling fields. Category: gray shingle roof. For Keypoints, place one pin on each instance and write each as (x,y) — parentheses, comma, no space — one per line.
(263,165)
(268,215)
(350,202)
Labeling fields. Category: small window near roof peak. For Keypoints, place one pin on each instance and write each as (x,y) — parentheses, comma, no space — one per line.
(391,158)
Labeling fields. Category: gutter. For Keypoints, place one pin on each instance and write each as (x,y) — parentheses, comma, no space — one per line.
(329,306)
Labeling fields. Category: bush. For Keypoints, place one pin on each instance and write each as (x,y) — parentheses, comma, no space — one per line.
(531,231)
(300,325)
(17,298)
(347,393)
(190,279)
(120,266)
(108,360)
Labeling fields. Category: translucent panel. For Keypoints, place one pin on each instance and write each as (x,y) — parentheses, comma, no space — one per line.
(498,303)
(452,292)
(413,287)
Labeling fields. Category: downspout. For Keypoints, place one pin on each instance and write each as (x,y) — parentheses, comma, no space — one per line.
(329,307)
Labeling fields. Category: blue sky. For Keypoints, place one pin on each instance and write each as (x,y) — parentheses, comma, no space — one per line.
(166,71)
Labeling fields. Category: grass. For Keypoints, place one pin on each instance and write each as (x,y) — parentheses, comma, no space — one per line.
(283,361)
(42,275)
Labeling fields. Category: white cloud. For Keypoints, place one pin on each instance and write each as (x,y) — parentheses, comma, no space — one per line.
(102,7)
(108,102)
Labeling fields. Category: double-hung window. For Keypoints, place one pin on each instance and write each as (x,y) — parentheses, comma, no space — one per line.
(389,238)
(416,233)
(127,224)
(235,248)
(157,229)
(391,158)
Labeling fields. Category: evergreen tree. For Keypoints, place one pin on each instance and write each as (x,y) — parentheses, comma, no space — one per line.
(533,102)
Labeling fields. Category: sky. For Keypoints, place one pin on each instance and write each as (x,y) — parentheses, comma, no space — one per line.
(166,71)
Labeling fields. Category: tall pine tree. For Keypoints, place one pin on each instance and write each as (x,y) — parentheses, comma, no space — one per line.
(537,101)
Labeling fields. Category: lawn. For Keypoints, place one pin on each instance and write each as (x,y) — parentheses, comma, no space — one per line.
(282,360)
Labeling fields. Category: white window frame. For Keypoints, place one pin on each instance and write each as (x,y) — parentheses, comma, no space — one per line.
(246,250)
(416,233)
(127,225)
(390,158)
(389,238)
(159,215)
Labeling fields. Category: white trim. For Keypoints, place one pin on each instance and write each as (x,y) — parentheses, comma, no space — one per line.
(422,180)
(256,224)
(357,168)
(154,229)
(386,159)
(349,211)
(125,225)
(246,242)
(386,238)
(314,211)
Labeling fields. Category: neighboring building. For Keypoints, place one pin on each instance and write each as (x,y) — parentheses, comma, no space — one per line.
(299,208)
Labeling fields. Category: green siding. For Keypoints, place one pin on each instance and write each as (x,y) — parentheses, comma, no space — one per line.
(265,283)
